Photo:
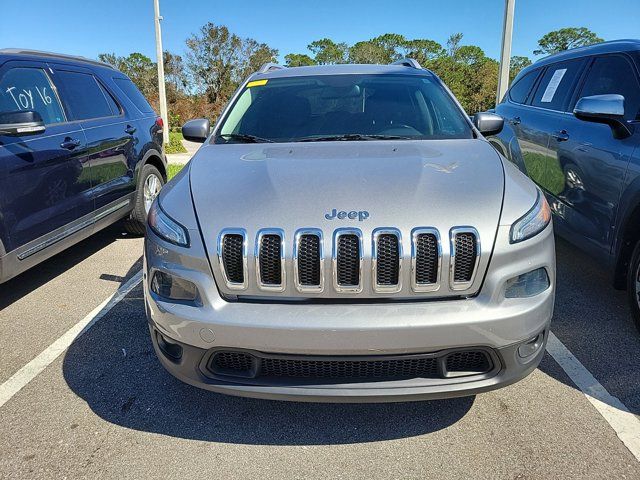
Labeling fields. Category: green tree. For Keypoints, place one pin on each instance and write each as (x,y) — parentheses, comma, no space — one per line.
(516,65)
(392,44)
(468,72)
(139,68)
(565,39)
(298,60)
(327,52)
(368,52)
(424,51)
(218,60)
(212,56)
(176,81)
(254,55)
(453,43)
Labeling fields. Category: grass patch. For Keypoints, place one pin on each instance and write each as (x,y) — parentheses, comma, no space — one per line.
(173,169)
(175,143)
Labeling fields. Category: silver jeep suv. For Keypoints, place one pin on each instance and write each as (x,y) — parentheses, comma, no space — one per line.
(347,234)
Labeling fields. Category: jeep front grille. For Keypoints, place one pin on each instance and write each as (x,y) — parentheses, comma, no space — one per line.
(465,253)
(232,255)
(390,270)
(308,258)
(347,269)
(386,260)
(426,259)
(270,259)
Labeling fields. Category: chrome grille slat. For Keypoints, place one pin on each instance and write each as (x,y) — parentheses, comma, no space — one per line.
(465,255)
(426,259)
(386,260)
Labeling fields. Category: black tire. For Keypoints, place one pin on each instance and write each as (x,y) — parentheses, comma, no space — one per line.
(633,285)
(136,223)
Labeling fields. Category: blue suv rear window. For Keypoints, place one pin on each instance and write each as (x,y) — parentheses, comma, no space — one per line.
(132,92)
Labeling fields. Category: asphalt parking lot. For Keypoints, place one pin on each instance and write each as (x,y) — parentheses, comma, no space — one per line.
(105,408)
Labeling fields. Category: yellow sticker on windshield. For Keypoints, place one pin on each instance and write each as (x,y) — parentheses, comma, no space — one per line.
(257,83)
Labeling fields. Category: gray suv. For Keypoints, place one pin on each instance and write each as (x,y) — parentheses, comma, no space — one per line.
(347,234)
(573,125)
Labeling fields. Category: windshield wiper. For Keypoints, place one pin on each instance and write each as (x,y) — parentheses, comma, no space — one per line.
(245,138)
(353,137)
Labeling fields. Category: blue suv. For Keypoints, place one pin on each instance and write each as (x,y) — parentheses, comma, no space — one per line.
(80,148)
(572,124)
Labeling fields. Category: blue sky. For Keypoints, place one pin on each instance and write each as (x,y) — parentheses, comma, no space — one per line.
(85,27)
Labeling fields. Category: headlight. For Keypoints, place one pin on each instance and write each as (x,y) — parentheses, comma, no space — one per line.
(533,222)
(166,227)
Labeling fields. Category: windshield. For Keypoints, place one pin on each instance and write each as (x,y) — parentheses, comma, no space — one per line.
(343,107)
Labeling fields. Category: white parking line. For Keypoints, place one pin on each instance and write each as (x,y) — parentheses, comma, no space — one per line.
(624,423)
(27,373)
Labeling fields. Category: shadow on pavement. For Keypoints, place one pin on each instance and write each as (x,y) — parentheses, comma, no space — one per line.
(593,320)
(32,279)
(114,369)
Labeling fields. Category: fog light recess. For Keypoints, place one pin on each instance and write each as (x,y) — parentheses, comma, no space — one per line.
(171,350)
(172,287)
(531,347)
(528,284)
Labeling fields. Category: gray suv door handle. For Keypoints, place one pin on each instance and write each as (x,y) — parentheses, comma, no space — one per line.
(70,143)
(561,136)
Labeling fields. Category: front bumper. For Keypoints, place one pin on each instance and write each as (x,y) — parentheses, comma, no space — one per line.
(509,369)
(489,321)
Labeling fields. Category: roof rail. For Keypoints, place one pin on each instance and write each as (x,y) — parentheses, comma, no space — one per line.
(408,62)
(267,67)
(23,51)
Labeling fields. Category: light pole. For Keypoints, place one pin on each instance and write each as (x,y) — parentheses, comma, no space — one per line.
(161,90)
(505,56)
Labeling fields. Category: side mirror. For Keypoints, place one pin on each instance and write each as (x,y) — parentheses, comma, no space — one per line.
(26,122)
(488,123)
(196,130)
(607,109)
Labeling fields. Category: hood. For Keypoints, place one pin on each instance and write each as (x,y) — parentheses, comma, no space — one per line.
(400,184)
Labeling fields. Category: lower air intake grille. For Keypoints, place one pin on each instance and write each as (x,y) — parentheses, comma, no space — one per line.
(235,364)
(309,260)
(270,259)
(388,259)
(408,368)
(248,365)
(232,247)
(348,260)
(471,361)
(465,257)
(426,258)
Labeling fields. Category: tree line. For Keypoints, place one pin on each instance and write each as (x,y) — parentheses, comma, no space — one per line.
(217,60)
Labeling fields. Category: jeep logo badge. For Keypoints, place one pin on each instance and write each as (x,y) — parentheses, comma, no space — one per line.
(352,215)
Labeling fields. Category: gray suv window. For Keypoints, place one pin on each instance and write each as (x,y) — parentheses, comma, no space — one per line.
(556,85)
(614,74)
(519,92)
(30,89)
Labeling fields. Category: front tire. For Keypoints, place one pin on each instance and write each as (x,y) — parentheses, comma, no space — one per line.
(150,183)
(633,285)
